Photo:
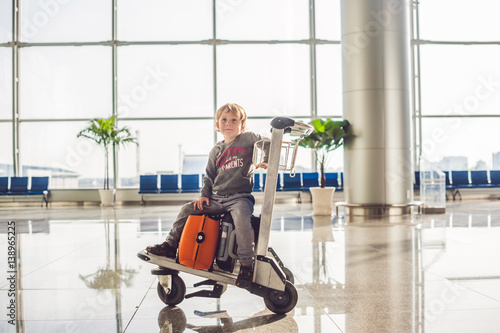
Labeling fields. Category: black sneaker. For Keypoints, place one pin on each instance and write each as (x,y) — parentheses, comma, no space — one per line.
(164,249)
(244,279)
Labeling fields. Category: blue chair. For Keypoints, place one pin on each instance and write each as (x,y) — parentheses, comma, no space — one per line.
(256,182)
(495,178)
(278,182)
(479,178)
(310,179)
(332,180)
(4,185)
(190,183)
(416,181)
(18,185)
(459,179)
(449,186)
(39,185)
(148,184)
(169,183)
(292,183)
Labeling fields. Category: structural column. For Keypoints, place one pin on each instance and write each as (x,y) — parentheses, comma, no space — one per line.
(376,38)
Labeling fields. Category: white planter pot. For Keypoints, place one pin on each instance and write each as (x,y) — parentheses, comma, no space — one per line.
(322,199)
(107,197)
(322,229)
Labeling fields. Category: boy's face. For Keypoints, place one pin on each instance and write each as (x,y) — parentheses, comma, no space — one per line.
(230,126)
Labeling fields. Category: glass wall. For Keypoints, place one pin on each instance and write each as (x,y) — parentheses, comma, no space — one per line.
(262,20)
(165,81)
(173,63)
(459,83)
(6,158)
(65,21)
(163,146)
(329,80)
(327,19)
(5,21)
(160,20)
(455,143)
(5,83)
(51,148)
(6,169)
(267,80)
(459,20)
(65,82)
(460,79)
(170,67)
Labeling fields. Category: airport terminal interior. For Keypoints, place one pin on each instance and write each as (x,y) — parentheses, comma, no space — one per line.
(411,243)
(77,271)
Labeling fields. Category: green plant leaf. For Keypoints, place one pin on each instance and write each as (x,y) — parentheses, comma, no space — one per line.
(328,135)
(103,133)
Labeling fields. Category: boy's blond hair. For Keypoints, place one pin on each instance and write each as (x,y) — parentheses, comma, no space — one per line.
(235,109)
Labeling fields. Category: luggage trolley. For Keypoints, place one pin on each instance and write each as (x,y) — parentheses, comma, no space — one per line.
(271,279)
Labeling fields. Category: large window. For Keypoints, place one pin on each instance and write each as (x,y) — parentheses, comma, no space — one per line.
(5,83)
(160,20)
(461,143)
(6,151)
(52,149)
(5,21)
(460,79)
(459,83)
(329,80)
(65,21)
(327,18)
(163,146)
(459,20)
(65,82)
(267,80)
(163,68)
(262,19)
(165,81)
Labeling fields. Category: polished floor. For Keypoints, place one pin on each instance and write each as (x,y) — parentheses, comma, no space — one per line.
(77,271)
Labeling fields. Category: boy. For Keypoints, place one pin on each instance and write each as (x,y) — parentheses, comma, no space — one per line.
(227,187)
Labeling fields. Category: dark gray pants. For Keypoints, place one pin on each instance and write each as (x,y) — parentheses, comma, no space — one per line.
(241,208)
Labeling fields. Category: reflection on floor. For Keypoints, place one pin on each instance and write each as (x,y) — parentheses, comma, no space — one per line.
(77,271)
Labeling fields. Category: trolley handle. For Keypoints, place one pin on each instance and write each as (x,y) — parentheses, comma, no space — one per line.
(292,126)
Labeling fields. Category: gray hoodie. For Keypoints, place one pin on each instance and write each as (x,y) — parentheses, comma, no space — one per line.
(229,168)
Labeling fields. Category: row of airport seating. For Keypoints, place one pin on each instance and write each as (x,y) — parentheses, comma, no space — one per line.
(171,183)
(34,187)
(189,183)
(305,180)
(25,188)
(152,184)
(459,179)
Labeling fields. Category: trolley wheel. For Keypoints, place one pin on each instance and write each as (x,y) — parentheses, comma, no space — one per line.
(177,293)
(289,275)
(172,319)
(282,303)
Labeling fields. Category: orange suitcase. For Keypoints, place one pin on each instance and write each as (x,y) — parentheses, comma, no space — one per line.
(198,242)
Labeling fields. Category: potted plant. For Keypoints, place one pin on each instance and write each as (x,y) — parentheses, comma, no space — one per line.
(328,135)
(105,134)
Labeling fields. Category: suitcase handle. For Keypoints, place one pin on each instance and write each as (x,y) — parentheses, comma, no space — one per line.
(292,126)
